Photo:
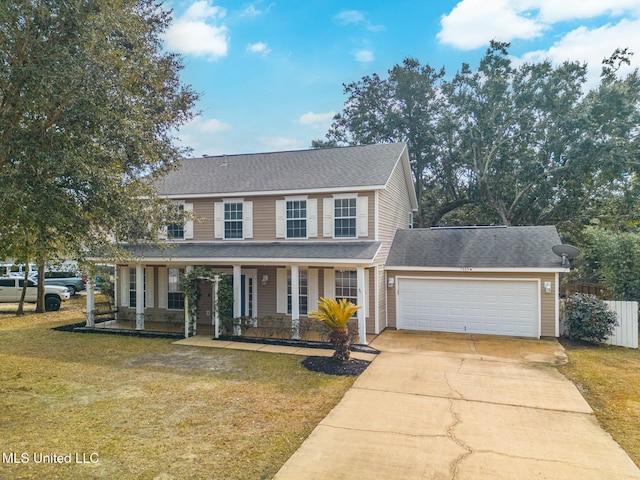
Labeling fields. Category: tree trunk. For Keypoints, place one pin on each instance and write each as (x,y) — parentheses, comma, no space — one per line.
(340,340)
(40,303)
(20,311)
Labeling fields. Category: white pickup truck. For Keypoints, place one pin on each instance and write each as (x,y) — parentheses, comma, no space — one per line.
(11,290)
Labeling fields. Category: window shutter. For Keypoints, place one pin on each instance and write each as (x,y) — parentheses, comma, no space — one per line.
(327,217)
(280,220)
(312,217)
(329,283)
(163,287)
(149,278)
(188,225)
(247,219)
(124,286)
(312,289)
(281,290)
(363,216)
(218,220)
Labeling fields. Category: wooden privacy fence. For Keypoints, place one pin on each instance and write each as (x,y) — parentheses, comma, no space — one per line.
(625,333)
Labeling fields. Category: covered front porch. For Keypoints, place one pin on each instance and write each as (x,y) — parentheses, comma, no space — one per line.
(271,296)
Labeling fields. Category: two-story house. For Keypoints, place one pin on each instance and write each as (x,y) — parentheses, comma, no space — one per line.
(291,227)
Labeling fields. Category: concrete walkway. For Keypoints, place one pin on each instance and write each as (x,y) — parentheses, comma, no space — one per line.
(447,406)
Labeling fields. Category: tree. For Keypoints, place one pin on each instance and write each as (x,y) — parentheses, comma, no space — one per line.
(88,101)
(407,106)
(503,144)
(336,314)
(613,259)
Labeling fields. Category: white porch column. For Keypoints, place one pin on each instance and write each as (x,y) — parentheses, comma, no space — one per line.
(362,301)
(91,305)
(139,297)
(216,313)
(237,298)
(295,302)
(116,290)
(187,309)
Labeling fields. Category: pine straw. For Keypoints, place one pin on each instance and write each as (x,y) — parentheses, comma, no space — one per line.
(609,379)
(148,408)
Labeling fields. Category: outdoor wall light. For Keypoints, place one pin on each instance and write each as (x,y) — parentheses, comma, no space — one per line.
(547,287)
(265,279)
(391,282)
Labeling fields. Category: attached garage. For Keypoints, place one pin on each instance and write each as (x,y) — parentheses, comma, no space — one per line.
(496,307)
(481,280)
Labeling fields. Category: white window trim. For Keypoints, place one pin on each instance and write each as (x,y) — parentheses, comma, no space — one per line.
(343,196)
(219,220)
(298,198)
(362,215)
(282,278)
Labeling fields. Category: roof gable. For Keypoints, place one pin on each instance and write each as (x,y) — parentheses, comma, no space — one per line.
(476,247)
(340,168)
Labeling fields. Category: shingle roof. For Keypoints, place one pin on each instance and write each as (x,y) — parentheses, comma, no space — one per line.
(476,247)
(264,252)
(360,166)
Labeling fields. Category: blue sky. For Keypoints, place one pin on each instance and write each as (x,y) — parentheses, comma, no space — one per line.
(271,73)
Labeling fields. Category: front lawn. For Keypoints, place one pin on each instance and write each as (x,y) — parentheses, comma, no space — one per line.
(609,379)
(144,408)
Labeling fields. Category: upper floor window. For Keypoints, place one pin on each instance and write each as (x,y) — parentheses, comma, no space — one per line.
(345,218)
(176,230)
(296,218)
(233,220)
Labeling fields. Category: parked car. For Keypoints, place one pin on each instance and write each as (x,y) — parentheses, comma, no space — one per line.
(11,290)
(70,280)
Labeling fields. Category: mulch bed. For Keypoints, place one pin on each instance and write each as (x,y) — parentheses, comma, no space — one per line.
(326,365)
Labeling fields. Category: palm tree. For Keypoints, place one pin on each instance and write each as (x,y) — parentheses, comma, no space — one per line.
(335,315)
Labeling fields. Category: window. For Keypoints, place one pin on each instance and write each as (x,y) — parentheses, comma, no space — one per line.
(175,297)
(303,297)
(176,230)
(347,285)
(344,218)
(232,220)
(296,219)
(132,286)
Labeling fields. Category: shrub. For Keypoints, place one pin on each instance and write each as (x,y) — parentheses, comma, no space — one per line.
(588,318)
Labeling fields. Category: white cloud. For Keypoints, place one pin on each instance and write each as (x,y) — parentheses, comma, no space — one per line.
(349,17)
(601,42)
(253,11)
(259,47)
(557,11)
(364,56)
(317,120)
(356,17)
(473,23)
(194,34)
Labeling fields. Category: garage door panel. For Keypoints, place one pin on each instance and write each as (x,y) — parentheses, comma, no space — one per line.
(499,307)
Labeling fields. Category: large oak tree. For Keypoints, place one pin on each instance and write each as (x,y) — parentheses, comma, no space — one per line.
(88,102)
(503,144)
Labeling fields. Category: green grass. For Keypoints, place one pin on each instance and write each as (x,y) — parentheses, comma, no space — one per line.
(148,408)
(609,379)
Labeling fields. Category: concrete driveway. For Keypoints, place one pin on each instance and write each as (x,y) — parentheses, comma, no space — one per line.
(448,406)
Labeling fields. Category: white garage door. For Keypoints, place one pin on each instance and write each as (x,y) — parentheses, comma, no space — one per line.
(496,307)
